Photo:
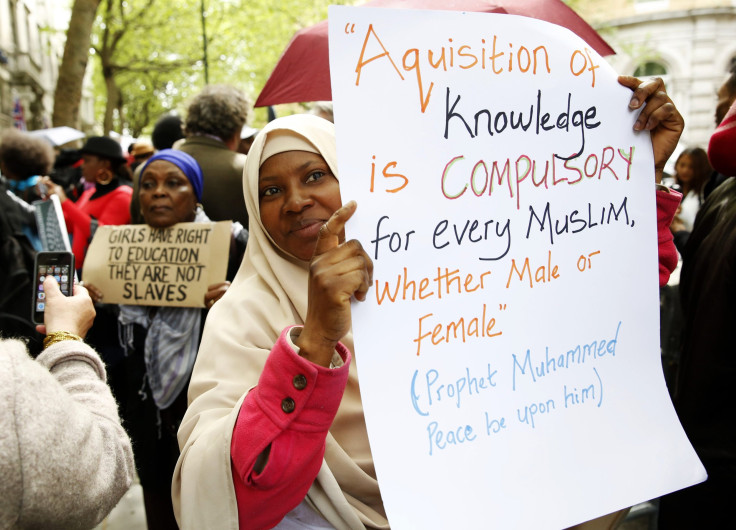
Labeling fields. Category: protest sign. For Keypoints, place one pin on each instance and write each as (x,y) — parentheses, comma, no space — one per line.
(140,265)
(508,351)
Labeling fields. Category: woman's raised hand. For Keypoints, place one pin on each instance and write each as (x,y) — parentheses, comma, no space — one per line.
(659,116)
(337,272)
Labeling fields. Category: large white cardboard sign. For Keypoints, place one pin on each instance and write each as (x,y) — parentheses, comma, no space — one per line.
(509,351)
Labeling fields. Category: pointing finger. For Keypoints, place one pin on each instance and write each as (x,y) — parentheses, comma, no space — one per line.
(331,231)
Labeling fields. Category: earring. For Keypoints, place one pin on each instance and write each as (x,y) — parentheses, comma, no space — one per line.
(107,180)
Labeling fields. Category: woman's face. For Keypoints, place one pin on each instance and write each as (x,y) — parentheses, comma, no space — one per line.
(166,195)
(93,168)
(297,194)
(684,169)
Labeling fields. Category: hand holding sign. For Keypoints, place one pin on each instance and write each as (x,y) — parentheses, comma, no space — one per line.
(94,293)
(215,292)
(338,272)
(659,116)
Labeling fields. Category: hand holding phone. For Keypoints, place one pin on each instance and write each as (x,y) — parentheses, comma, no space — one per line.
(59,265)
(74,314)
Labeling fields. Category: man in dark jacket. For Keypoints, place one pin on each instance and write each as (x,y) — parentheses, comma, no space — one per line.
(214,120)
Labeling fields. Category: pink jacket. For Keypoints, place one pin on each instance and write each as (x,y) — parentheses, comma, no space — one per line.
(667,204)
(291,411)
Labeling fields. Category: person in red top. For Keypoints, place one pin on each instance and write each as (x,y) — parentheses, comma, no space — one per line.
(720,148)
(107,202)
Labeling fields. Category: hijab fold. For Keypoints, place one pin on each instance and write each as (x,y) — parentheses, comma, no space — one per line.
(268,294)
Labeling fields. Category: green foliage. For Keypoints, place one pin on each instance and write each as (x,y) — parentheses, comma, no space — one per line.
(142,45)
(153,50)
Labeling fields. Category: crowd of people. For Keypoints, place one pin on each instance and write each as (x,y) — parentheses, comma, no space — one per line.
(247,412)
(148,351)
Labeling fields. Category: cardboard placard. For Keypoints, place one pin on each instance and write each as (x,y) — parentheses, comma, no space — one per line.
(508,351)
(140,265)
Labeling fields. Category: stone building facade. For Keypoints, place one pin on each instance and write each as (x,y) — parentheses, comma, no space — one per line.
(32,36)
(689,43)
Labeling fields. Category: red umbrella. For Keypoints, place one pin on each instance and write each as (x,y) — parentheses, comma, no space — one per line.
(303,71)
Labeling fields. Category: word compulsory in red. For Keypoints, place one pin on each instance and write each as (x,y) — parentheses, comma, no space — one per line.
(457,178)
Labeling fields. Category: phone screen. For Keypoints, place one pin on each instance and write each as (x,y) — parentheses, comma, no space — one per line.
(60,265)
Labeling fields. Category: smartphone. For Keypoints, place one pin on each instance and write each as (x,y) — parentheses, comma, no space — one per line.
(60,265)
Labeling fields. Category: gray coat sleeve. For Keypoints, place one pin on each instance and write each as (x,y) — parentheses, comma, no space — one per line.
(65,460)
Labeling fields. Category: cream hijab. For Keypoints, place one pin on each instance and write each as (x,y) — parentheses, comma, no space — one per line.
(268,294)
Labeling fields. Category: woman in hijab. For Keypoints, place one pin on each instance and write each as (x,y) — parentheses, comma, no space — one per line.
(275,433)
(295,196)
(161,342)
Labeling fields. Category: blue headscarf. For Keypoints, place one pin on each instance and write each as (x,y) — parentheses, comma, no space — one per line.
(183,161)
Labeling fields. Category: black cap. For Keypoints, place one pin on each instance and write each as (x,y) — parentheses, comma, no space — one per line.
(104,147)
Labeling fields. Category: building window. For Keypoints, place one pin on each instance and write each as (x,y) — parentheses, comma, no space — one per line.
(650,69)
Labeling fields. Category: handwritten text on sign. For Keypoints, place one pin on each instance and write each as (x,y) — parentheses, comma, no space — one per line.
(140,265)
(509,348)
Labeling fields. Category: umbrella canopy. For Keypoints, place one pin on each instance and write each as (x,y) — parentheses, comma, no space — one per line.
(303,71)
(58,135)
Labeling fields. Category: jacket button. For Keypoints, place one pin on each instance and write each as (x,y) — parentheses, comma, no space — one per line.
(288,405)
(300,382)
